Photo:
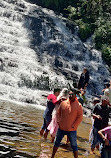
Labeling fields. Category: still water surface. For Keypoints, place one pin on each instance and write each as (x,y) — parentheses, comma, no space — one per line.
(19,134)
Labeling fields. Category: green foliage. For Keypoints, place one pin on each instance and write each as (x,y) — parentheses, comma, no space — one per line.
(72,12)
(51,3)
(85,29)
(102,35)
(102,39)
(56,5)
(106,51)
(93,18)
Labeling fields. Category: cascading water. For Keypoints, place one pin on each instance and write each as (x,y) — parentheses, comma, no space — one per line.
(38,52)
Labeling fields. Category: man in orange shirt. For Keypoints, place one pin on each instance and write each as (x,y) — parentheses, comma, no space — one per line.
(69,116)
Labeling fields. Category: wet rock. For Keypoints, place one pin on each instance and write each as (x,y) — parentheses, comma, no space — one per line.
(1,64)
(6,151)
(12,64)
(68,73)
(4,131)
(58,62)
(75,67)
(10,130)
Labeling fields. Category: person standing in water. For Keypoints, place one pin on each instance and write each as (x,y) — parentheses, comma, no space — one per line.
(101,118)
(69,116)
(53,126)
(94,102)
(51,102)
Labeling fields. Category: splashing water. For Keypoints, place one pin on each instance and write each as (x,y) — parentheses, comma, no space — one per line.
(39,52)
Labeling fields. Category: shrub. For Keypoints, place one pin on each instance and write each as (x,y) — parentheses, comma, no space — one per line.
(85,29)
(102,35)
(106,52)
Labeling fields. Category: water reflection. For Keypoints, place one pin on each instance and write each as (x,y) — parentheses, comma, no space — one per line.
(19,134)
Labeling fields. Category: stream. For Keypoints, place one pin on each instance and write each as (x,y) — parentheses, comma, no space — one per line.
(19,134)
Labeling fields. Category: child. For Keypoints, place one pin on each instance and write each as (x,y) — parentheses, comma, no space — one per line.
(51,102)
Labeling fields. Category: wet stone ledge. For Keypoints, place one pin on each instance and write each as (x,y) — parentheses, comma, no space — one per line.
(6,152)
(10,131)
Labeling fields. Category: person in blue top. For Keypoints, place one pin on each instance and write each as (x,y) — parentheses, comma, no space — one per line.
(51,102)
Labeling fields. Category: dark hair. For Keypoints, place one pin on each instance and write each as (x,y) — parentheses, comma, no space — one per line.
(107,84)
(85,69)
(75,90)
(57,90)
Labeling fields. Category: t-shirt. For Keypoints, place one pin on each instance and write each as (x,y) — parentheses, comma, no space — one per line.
(103,111)
(107,131)
(69,115)
(51,100)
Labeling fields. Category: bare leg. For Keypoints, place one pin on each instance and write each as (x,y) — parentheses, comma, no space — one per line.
(52,138)
(45,135)
(97,146)
(54,151)
(67,141)
(92,151)
(75,154)
(41,132)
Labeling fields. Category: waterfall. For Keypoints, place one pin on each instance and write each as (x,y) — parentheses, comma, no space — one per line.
(38,52)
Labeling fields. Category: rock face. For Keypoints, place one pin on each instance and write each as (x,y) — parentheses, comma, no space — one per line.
(38,51)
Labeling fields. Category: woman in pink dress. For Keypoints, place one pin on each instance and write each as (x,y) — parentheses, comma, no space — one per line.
(53,126)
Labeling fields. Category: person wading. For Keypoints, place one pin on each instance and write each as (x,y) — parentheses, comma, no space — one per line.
(101,118)
(69,116)
(51,102)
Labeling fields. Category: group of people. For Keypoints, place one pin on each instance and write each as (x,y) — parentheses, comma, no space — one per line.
(64,112)
(66,117)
